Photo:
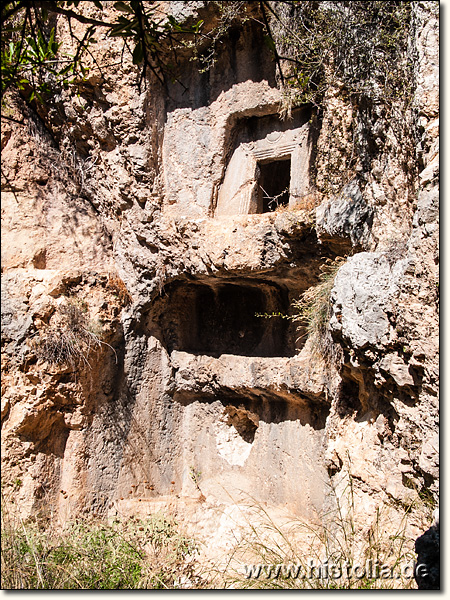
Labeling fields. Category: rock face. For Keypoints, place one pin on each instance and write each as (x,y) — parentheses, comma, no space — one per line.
(150,220)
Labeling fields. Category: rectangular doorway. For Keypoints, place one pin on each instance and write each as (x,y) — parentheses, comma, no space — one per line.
(273,184)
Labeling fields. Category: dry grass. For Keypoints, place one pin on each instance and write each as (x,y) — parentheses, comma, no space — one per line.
(309,202)
(147,553)
(312,311)
(152,553)
(377,547)
(70,339)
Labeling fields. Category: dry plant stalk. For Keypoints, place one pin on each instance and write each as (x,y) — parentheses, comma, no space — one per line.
(313,311)
(71,339)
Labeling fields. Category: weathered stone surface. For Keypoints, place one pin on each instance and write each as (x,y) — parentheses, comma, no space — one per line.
(397,369)
(191,403)
(281,244)
(364,294)
(263,143)
(346,217)
(266,377)
(5,407)
(429,456)
(15,320)
(194,146)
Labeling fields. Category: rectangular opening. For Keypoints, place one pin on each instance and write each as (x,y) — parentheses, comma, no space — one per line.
(273,184)
(224,318)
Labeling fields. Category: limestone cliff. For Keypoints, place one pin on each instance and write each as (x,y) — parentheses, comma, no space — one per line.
(140,241)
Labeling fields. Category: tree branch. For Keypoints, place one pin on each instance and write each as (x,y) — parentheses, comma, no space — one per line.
(22,122)
(13,11)
(269,33)
(53,7)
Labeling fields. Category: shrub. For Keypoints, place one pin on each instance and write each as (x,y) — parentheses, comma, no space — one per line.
(361,46)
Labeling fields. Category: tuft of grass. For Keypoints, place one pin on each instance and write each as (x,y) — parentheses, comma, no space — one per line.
(71,339)
(313,312)
(147,553)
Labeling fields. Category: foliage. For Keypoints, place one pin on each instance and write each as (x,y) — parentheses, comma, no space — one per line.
(206,48)
(30,58)
(22,63)
(133,553)
(359,46)
(312,312)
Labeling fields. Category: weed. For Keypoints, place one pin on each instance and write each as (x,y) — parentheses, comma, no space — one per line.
(313,311)
(273,314)
(148,553)
(361,46)
(195,475)
(275,203)
(309,202)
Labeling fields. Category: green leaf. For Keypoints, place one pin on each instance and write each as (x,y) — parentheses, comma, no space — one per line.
(123,7)
(12,51)
(198,25)
(54,48)
(119,32)
(138,54)
(40,40)
(269,42)
(176,26)
(31,57)
(66,70)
